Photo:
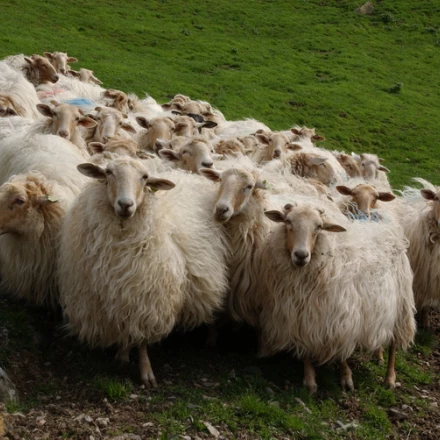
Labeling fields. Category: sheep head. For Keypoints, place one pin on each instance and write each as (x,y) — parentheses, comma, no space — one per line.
(65,118)
(370,166)
(365,196)
(303,225)
(237,186)
(22,205)
(349,164)
(109,121)
(127,182)
(434,197)
(42,68)
(59,61)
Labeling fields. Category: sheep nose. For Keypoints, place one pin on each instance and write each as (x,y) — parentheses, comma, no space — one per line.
(207,164)
(301,254)
(277,153)
(64,134)
(220,211)
(125,204)
(56,78)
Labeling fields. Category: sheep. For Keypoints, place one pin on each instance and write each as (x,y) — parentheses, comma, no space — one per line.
(51,155)
(147,106)
(232,146)
(421,225)
(31,212)
(59,61)
(323,299)
(240,206)
(304,136)
(134,264)
(196,153)
(63,120)
(17,94)
(116,144)
(120,100)
(13,125)
(275,145)
(228,129)
(349,163)
(109,121)
(371,168)
(363,198)
(37,69)
(156,128)
(84,75)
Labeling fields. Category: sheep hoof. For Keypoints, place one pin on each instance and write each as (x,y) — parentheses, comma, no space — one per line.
(380,362)
(149,381)
(347,385)
(390,381)
(311,386)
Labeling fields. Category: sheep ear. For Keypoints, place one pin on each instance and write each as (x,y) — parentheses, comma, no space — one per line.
(72,60)
(166,106)
(293,147)
(386,196)
(275,216)
(208,124)
(144,154)
(11,112)
(95,80)
(96,147)
(48,54)
(330,227)
(74,73)
(318,138)
(55,103)
(87,122)
(91,170)
(98,109)
(296,131)
(45,110)
(142,121)
(29,60)
(382,168)
(196,117)
(211,174)
(262,138)
(128,127)
(427,194)
(157,184)
(344,190)
(170,155)
(318,160)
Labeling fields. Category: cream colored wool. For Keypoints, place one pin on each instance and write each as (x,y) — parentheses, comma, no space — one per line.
(132,281)
(342,299)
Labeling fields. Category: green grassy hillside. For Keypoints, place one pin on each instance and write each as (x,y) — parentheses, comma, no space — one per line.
(316,63)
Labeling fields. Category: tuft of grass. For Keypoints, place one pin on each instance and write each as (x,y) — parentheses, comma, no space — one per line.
(113,388)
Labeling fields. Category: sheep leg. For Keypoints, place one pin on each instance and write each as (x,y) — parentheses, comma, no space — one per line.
(123,355)
(378,355)
(390,377)
(346,377)
(147,375)
(309,376)
(424,318)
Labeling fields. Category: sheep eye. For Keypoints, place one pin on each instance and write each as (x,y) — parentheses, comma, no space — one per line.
(108,172)
(19,201)
(249,187)
(145,176)
(77,119)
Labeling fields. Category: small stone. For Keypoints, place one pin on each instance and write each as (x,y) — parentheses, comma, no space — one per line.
(126,437)
(147,425)
(397,415)
(134,396)
(186,437)
(8,391)
(269,391)
(213,431)
(298,400)
(365,9)
(103,421)
(274,403)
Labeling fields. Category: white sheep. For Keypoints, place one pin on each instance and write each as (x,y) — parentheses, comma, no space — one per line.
(31,212)
(59,61)
(135,263)
(421,222)
(324,295)
(20,92)
(37,69)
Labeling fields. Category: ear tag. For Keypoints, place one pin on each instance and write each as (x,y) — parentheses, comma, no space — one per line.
(52,199)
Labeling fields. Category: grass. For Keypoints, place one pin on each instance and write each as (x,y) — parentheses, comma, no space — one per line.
(113,388)
(368,83)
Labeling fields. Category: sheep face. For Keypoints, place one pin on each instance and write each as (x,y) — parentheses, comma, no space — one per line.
(158,128)
(230,147)
(65,119)
(277,144)
(109,121)
(59,61)
(117,145)
(370,166)
(236,189)
(307,133)
(127,182)
(185,126)
(365,196)
(20,207)
(435,198)
(43,69)
(303,225)
(193,156)
(349,164)
(120,100)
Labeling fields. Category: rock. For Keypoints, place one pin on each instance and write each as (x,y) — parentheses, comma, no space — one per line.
(102,421)
(147,425)
(298,400)
(365,9)
(213,431)
(269,391)
(8,391)
(397,415)
(348,426)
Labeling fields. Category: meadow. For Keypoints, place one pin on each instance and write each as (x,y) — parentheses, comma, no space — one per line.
(368,83)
